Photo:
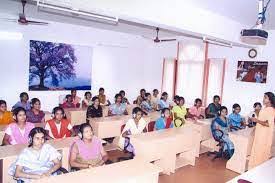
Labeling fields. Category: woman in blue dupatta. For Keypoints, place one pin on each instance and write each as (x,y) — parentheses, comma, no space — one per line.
(146,104)
(117,108)
(36,161)
(165,121)
(221,123)
(235,119)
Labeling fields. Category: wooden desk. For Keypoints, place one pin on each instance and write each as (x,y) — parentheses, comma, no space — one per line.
(8,154)
(262,173)
(121,172)
(76,116)
(107,127)
(169,149)
(207,143)
(242,140)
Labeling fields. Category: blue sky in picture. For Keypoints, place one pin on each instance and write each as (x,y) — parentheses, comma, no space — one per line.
(83,72)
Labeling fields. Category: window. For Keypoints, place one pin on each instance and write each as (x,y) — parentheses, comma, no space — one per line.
(192,75)
(168,76)
(190,70)
(215,78)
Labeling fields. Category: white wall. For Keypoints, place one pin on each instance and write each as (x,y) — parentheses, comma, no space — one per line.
(137,65)
(244,93)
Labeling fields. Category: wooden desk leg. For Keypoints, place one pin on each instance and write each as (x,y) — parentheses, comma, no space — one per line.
(6,165)
(65,158)
(167,164)
(237,162)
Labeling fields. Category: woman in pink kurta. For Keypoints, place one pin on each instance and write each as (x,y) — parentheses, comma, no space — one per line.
(17,133)
(196,112)
(261,149)
(87,151)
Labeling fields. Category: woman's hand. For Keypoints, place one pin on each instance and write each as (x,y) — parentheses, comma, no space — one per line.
(46,174)
(37,176)
(253,119)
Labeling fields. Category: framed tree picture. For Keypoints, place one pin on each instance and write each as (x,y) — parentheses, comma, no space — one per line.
(59,66)
(252,71)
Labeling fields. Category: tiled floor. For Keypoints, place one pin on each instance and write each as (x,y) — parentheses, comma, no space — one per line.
(205,171)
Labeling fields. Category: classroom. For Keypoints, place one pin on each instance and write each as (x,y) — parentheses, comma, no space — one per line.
(137,91)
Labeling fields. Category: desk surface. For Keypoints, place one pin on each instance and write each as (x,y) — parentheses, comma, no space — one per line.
(247,132)
(126,171)
(262,173)
(14,150)
(160,134)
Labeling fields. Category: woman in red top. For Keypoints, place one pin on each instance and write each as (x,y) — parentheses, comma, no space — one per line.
(59,127)
(165,121)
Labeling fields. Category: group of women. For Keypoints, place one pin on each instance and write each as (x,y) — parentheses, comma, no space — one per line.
(40,159)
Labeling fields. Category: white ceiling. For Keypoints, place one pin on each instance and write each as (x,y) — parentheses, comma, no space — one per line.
(243,11)
(11,9)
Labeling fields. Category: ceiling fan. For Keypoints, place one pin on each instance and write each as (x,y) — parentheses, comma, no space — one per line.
(22,20)
(157,40)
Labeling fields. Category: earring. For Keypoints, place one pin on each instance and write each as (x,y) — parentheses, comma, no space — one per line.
(80,135)
(30,140)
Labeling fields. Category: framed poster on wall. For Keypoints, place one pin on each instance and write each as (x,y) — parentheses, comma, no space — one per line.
(59,66)
(252,71)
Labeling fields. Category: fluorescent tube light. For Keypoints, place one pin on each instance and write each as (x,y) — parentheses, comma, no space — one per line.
(76,12)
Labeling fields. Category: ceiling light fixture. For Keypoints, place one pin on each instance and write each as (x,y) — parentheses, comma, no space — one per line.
(75,12)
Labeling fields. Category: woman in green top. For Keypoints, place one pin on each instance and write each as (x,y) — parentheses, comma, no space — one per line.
(179,113)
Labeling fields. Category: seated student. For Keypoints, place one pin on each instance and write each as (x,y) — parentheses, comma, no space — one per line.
(163,102)
(141,97)
(87,101)
(24,102)
(36,161)
(17,132)
(5,116)
(58,127)
(95,110)
(235,120)
(76,99)
(135,125)
(146,105)
(87,151)
(35,115)
(179,113)
(155,99)
(117,108)
(124,99)
(165,121)
(213,108)
(175,101)
(103,100)
(68,103)
(221,123)
(196,112)
(254,114)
